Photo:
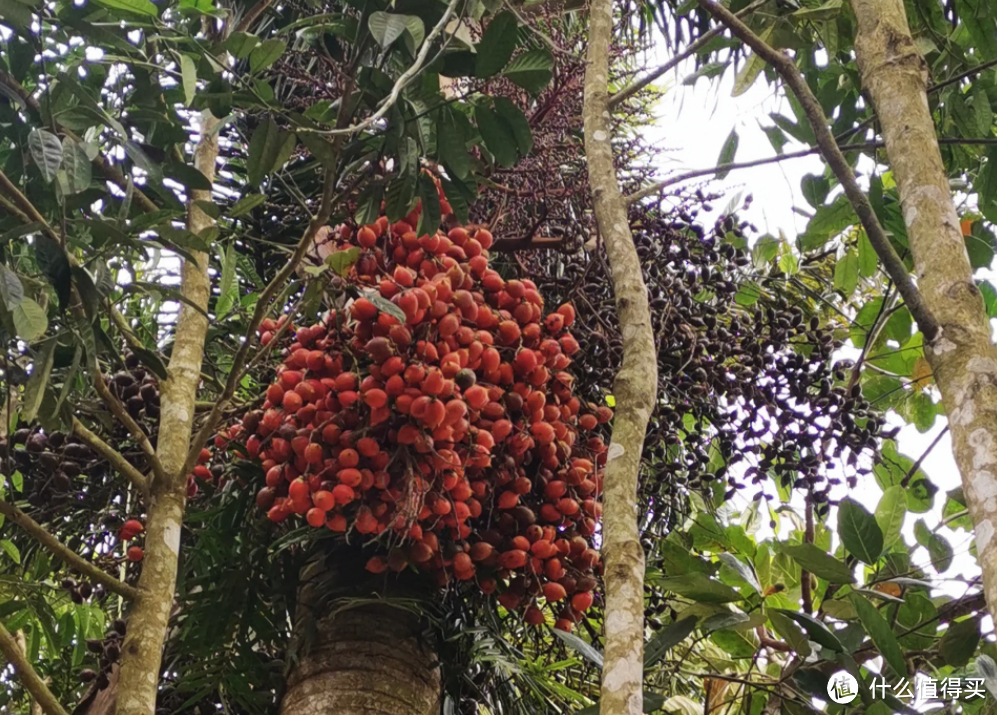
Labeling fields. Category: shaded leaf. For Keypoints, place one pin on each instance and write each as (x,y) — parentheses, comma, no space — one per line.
(531,70)
(698,587)
(496,135)
(228,284)
(587,650)
(34,390)
(265,54)
(890,514)
(959,642)
(820,563)
(817,631)
(46,150)
(859,531)
(727,153)
(497,44)
(879,630)
(666,639)
(516,121)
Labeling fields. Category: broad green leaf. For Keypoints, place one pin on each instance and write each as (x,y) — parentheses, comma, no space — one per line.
(752,67)
(898,325)
(846,273)
(246,204)
(399,196)
(959,642)
(868,260)
(369,204)
(265,54)
(386,306)
(590,653)
(386,27)
(727,153)
(743,571)
(497,44)
(859,531)
(790,632)
(430,217)
(264,146)
(30,320)
(816,631)
(938,547)
(54,264)
(11,550)
(890,514)
(452,146)
(240,44)
(34,390)
(228,284)
(187,175)
(77,167)
(17,480)
(46,150)
(496,135)
(820,563)
(765,249)
(815,189)
(188,74)
(828,11)
(879,630)
(138,7)
(667,638)
(698,587)
(828,221)
(342,261)
(517,123)
(531,70)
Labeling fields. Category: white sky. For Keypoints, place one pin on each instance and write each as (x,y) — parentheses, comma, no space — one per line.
(692,125)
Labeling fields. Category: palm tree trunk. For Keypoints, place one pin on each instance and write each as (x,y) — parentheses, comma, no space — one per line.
(359,655)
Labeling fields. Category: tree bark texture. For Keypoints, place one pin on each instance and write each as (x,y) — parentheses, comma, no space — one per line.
(149,616)
(634,388)
(962,357)
(358,656)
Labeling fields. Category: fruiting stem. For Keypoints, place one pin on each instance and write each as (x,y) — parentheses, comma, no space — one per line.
(113,456)
(29,678)
(635,390)
(64,553)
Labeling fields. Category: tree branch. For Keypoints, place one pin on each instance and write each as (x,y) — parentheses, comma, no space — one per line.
(707,37)
(63,552)
(29,678)
(787,69)
(113,456)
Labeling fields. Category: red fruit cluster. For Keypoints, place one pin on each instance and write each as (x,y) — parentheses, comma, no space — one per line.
(438,408)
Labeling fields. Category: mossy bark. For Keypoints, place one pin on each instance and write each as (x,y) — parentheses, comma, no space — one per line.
(961,354)
(359,654)
(634,388)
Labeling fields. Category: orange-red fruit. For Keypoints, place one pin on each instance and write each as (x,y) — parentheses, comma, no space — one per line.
(135,553)
(554,591)
(581,601)
(534,616)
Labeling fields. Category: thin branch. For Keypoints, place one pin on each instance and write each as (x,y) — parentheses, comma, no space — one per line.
(965,75)
(707,37)
(655,188)
(113,456)
(19,200)
(250,17)
(785,66)
(28,676)
(917,463)
(64,553)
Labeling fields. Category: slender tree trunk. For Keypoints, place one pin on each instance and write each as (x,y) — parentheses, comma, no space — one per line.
(634,388)
(359,655)
(962,357)
(149,616)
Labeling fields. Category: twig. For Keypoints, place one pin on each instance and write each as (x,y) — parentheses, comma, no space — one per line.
(26,207)
(872,335)
(113,456)
(917,463)
(28,675)
(785,66)
(707,37)
(63,552)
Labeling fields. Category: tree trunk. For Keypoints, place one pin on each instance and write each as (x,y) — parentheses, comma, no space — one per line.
(356,655)
(962,356)
(635,389)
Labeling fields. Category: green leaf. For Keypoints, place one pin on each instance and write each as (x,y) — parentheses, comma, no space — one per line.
(386,27)
(938,547)
(142,160)
(459,195)
(264,146)
(11,550)
(187,175)
(138,7)
(666,639)
(531,70)
(17,481)
(727,153)
(959,642)
(452,146)
(828,11)
(517,123)
(846,273)
(868,260)
(430,217)
(76,164)
(743,570)
(828,221)
(400,195)
(240,44)
(82,626)
(246,204)
(497,44)
(369,204)
(890,513)
(815,189)
(386,306)
(859,531)
(46,150)
(898,325)
(266,54)
(228,285)
(752,68)
(30,320)
(496,135)
(342,261)
(34,389)
(54,263)
(790,632)
(698,587)
(879,630)
(188,75)
(820,563)
(980,246)
(817,631)
(587,650)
